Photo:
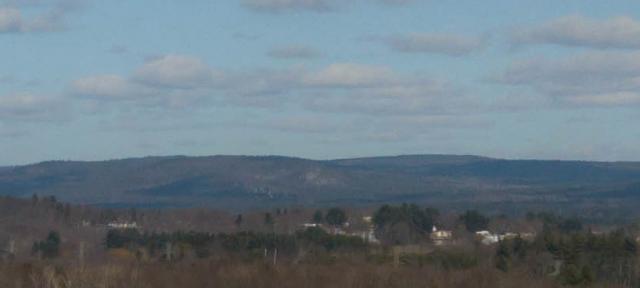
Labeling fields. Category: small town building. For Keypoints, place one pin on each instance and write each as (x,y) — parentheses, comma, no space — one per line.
(123,225)
(487,238)
(440,237)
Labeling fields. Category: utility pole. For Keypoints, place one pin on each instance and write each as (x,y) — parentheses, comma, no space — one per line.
(275,256)
(81,249)
(12,247)
(169,251)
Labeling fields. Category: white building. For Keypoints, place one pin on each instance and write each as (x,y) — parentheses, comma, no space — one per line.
(123,225)
(488,238)
(440,237)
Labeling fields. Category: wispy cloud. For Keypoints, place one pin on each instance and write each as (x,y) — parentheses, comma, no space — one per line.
(618,32)
(339,87)
(588,79)
(48,15)
(294,52)
(288,5)
(277,6)
(176,71)
(31,107)
(433,43)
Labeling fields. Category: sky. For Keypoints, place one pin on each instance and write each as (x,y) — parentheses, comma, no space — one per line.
(320,79)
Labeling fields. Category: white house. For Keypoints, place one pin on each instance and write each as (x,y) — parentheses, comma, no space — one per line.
(488,238)
(440,237)
(123,225)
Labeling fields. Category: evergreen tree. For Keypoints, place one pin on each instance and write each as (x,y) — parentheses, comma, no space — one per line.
(318,217)
(474,221)
(403,224)
(503,255)
(336,217)
(50,247)
(268,219)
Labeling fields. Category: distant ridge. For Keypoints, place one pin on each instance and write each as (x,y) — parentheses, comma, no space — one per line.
(238,182)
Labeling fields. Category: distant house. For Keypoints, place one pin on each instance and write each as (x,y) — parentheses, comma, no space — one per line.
(366,234)
(508,235)
(369,235)
(487,238)
(440,237)
(528,236)
(123,225)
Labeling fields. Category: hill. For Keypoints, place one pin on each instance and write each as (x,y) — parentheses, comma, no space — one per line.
(240,182)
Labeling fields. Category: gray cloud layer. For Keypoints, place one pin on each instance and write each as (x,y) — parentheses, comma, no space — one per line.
(293,52)
(453,45)
(30,107)
(589,79)
(307,5)
(50,15)
(339,87)
(283,5)
(618,32)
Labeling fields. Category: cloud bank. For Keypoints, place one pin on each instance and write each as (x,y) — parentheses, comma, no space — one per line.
(339,87)
(278,6)
(588,79)
(578,31)
(448,44)
(49,15)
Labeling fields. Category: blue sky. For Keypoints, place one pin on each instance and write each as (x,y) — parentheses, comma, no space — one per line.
(92,80)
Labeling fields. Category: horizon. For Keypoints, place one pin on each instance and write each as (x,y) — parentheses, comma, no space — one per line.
(90,80)
(310,159)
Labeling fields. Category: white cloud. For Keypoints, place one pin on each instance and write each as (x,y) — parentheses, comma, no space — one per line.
(10,20)
(170,81)
(29,107)
(405,95)
(44,15)
(448,44)
(176,71)
(105,87)
(340,87)
(349,75)
(607,99)
(588,79)
(576,30)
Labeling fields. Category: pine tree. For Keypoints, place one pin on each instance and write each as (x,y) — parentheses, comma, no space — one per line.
(318,217)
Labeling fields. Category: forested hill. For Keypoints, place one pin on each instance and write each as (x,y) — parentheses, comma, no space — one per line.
(247,181)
